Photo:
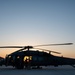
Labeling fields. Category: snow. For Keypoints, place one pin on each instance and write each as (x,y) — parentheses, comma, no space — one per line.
(61,70)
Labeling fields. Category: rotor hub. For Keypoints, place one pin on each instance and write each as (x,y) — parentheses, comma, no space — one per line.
(28,47)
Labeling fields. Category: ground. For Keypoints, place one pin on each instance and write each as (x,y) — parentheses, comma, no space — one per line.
(63,70)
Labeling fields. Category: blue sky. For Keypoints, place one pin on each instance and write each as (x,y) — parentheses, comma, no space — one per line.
(32,22)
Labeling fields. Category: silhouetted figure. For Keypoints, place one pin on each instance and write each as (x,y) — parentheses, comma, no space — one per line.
(27,63)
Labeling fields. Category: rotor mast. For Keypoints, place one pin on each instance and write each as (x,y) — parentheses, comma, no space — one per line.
(28,47)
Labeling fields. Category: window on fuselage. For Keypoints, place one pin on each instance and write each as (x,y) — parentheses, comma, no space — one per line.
(27,58)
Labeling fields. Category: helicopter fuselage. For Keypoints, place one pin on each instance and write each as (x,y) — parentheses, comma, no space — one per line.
(30,58)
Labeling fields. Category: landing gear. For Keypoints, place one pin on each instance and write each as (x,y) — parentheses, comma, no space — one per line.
(36,67)
(73,66)
(19,66)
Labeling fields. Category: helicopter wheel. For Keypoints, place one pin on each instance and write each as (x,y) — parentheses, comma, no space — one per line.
(73,66)
(38,67)
(19,66)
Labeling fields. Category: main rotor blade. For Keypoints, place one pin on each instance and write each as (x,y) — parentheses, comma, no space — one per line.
(35,46)
(11,46)
(54,44)
(48,50)
(23,47)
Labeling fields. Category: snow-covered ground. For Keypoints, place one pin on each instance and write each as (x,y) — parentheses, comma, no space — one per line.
(63,70)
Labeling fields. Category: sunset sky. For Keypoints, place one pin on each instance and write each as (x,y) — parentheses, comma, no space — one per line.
(34,22)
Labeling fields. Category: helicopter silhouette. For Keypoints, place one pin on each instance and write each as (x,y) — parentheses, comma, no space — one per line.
(28,58)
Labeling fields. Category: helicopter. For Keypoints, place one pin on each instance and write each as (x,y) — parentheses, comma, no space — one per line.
(28,58)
